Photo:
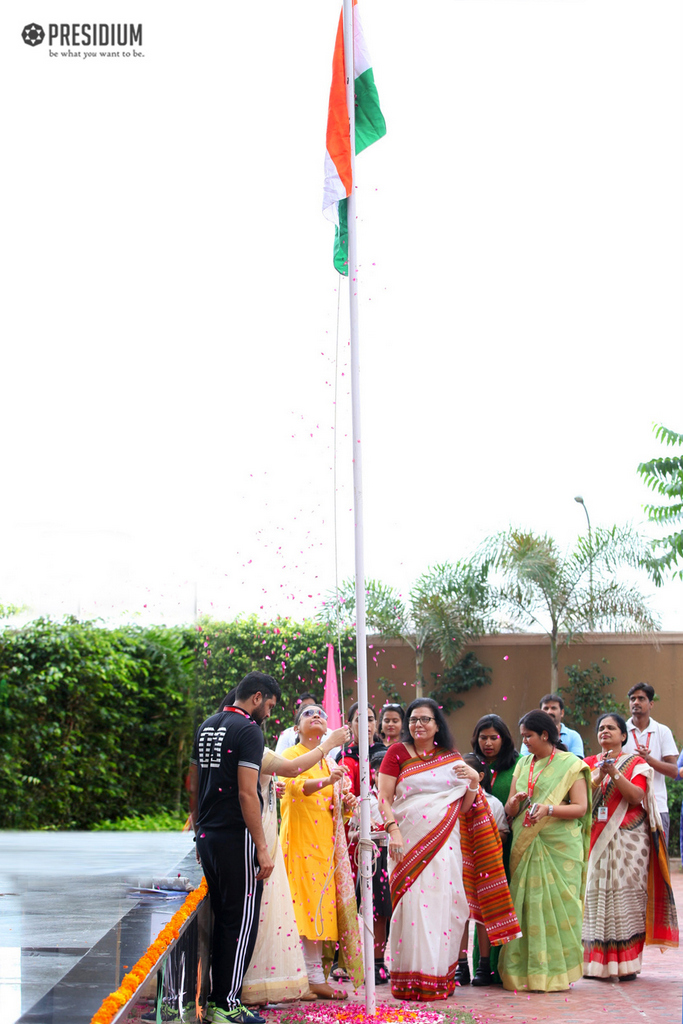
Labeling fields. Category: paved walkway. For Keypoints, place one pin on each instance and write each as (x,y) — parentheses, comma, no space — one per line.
(655,997)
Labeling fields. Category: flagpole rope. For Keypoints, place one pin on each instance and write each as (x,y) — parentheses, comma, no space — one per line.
(334,483)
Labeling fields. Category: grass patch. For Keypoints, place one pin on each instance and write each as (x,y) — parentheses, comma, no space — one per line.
(164,821)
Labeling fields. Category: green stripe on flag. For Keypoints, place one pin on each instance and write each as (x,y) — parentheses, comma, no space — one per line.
(370,126)
(370,123)
(341,241)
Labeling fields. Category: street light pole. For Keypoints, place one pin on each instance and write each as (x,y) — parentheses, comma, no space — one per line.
(590,556)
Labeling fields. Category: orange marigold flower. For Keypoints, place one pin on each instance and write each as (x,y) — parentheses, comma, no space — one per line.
(166,937)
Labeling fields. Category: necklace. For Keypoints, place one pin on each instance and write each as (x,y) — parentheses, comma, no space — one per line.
(426,753)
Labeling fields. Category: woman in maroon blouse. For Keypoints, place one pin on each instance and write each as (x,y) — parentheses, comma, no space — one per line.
(425,789)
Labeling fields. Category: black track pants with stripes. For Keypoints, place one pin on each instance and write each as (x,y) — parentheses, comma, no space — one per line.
(230,868)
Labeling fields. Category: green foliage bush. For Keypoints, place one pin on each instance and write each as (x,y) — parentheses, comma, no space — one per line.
(165,821)
(294,654)
(675,795)
(587,696)
(94,723)
(468,672)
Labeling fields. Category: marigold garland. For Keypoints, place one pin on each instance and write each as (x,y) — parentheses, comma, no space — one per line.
(147,962)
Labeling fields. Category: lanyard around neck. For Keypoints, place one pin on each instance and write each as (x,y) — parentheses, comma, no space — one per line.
(649,737)
(238,711)
(532,780)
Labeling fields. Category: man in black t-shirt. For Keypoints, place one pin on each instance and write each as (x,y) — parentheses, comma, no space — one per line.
(225,809)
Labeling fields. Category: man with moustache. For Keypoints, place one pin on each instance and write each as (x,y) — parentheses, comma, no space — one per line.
(654,742)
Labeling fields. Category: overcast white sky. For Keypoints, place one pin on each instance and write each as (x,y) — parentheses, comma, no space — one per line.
(169,307)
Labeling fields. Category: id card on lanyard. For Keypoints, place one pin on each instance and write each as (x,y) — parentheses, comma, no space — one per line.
(637,744)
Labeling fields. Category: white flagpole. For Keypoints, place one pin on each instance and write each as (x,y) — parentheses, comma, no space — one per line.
(361,646)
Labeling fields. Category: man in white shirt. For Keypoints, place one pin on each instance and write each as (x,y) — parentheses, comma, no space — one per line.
(553,705)
(655,744)
(290,737)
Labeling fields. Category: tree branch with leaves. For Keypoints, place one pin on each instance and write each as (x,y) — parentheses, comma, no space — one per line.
(448,607)
(664,476)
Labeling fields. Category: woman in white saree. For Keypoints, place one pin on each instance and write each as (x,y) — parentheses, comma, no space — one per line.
(425,790)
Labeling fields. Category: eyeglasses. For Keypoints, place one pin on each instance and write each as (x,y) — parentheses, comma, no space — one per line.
(385,706)
(313,712)
(423,720)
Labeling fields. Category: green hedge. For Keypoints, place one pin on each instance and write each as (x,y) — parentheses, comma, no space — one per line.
(96,724)
(295,654)
(675,795)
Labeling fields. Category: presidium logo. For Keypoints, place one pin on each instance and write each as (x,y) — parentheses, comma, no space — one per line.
(33,34)
(91,35)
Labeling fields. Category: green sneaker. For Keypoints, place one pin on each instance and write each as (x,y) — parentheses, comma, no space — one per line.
(240,1015)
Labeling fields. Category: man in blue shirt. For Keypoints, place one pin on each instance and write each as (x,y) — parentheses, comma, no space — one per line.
(553,705)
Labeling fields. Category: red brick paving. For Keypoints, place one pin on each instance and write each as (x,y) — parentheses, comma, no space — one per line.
(655,997)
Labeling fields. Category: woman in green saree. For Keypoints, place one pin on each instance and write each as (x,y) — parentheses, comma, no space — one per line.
(550,804)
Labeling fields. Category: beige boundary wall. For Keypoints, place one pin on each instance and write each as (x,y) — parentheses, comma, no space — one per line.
(520,664)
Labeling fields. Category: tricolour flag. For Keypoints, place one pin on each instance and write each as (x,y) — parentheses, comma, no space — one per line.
(370,126)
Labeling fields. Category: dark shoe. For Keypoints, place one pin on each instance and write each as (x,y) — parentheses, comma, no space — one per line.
(381,974)
(628,977)
(483,974)
(462,973)
(168,1013)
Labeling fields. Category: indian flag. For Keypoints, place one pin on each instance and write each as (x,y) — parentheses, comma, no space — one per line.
(370,126)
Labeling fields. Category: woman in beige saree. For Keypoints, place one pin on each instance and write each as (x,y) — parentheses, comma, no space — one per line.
(276,972)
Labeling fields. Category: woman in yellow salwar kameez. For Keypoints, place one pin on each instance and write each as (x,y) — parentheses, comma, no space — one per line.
(548,861)
(315,853)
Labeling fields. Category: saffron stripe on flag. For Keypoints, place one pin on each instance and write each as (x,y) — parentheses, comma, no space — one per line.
(370,126)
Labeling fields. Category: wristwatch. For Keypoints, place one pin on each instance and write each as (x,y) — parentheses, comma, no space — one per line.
(617,775)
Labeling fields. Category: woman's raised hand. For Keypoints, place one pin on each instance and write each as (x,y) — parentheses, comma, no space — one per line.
(337,773)
(338,737)
(348,797)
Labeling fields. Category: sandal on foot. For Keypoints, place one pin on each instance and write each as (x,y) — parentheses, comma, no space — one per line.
(325,991)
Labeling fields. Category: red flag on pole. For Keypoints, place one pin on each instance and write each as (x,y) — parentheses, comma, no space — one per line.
(331,697)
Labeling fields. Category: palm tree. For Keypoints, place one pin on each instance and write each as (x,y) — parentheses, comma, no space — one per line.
(564,594)
(448,607)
